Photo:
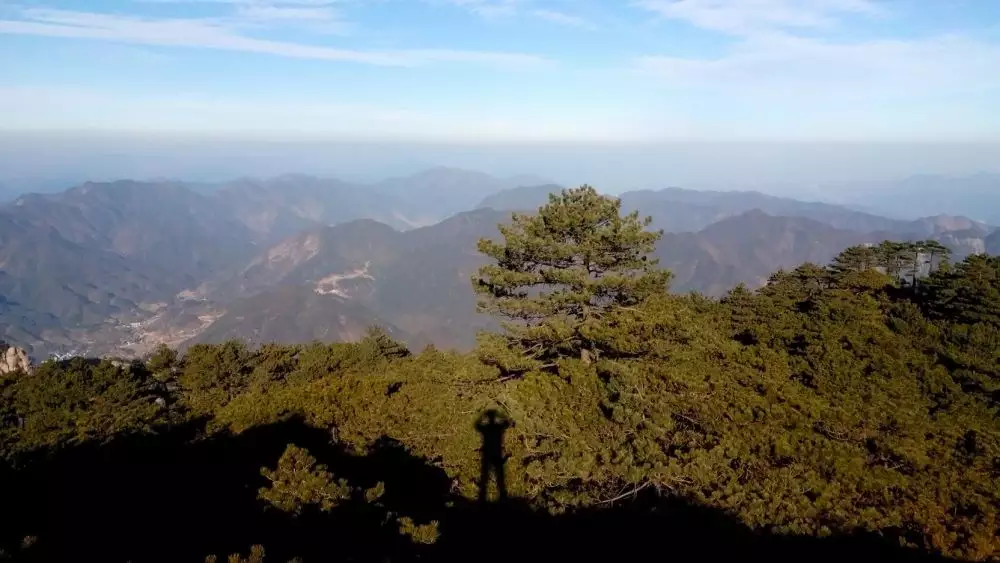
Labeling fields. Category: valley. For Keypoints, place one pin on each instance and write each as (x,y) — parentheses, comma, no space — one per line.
(117,268)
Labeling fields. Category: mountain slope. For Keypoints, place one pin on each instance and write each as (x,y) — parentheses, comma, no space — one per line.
(432,195)
(992,243)
(120,266)
(84,256)
(522,198)
(294,314)
(105,266)
(279,207)
(679,210)
(416,282)
(310,257)
(164,229)
(427,289)
(746,249)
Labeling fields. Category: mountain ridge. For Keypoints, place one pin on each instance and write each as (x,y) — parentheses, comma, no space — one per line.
(121,265)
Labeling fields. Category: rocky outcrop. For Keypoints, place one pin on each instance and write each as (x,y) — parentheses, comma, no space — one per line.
(13,359)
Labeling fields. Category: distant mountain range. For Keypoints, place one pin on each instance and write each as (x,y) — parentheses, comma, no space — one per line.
(115,268)
(416,284)
(976,195)
(680,210)
(282,206)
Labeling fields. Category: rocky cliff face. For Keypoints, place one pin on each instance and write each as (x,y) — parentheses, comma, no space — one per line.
(13,359)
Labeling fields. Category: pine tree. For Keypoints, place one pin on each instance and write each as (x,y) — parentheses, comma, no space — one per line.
(377,344)
(895,258)
(298,481)
(854,259)
(561,276)
(969,293)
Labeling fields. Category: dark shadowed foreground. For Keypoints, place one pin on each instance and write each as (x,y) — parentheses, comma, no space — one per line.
(165,498)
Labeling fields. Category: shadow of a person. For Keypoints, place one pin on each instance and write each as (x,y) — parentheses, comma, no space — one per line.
(492,424)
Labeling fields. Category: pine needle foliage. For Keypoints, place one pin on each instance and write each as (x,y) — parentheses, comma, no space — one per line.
(298,481)
(560,277)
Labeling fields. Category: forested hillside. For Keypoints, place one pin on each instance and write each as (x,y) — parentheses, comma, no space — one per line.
(844,411)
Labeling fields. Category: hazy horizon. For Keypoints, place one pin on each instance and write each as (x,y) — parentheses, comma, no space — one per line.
(803,169)
(790,97)
(474,71)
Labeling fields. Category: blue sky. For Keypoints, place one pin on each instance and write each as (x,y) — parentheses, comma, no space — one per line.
(489,70)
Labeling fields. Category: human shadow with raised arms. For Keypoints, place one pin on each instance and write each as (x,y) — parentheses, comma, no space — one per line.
(492,425)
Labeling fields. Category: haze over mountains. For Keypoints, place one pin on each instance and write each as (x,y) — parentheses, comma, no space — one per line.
(976,195)
(116,268)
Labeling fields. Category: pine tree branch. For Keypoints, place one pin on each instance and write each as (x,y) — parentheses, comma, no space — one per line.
(629,493)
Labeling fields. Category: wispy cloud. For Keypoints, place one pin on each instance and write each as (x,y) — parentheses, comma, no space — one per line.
(785,63)
(562,18)
(487,8)
(782,69)
(208,33)
(311,18)
(328,11)
(277,12)
(748,17)
(497,9)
